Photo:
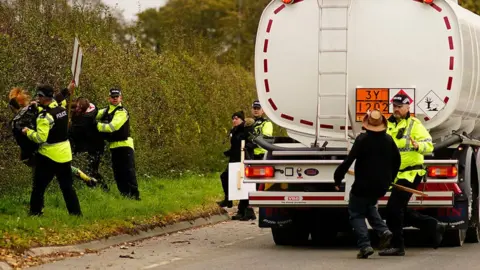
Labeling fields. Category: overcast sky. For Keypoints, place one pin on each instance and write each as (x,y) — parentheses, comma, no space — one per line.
(132,7)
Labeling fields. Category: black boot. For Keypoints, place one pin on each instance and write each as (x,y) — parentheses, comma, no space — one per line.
(438,237)
(101,182)
(365,252)
(385,240)
(225,203)
(240,214)
(249,215)
(392,252)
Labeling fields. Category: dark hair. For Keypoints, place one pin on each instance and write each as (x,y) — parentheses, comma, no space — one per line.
(239,114)
(83,103)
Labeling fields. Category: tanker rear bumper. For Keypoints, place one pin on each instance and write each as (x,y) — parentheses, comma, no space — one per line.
(338,199)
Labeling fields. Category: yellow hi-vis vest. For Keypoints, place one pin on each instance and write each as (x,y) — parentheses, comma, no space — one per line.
(60,151)
(411,127)
(265,127)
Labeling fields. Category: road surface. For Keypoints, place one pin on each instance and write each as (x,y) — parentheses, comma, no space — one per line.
(242,245)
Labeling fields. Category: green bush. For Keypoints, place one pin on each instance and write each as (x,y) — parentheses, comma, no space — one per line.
(180,102)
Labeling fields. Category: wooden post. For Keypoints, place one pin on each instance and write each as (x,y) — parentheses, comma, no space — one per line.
(407,189)
(241,173)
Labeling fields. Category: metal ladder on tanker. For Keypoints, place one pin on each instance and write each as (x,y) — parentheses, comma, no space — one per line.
(345,6)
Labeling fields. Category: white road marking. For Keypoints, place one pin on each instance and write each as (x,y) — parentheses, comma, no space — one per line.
(151,266)
(162,263)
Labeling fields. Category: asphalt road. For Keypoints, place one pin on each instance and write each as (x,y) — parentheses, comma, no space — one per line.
(242,245)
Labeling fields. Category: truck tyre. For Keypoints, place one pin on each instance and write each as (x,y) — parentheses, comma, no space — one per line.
(290,236)
(473,232)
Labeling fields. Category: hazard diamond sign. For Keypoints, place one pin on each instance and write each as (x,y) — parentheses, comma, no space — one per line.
(410,92)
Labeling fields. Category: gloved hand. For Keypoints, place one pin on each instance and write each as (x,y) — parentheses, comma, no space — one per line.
(227,153)
(251,136)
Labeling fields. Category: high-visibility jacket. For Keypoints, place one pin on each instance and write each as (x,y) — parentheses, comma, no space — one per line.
(265,127)
(411,159)
(116,123)
(51,133)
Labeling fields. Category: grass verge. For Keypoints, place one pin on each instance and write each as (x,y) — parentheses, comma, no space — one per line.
(105,213)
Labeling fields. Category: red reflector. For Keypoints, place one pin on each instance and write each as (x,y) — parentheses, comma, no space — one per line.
(440,187)
(442,171)
(259,171)
(456,189)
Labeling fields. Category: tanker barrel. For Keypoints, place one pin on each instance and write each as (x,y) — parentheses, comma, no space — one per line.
(454,139)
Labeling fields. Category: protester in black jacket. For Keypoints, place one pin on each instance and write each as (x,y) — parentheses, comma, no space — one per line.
(239,132)
(377,164)
(85,137)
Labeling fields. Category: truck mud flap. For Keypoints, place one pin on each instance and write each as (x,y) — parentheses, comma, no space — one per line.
(455,217)
(337,199)
(274,217)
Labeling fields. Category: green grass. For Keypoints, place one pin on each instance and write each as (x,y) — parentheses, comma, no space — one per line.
(105,213)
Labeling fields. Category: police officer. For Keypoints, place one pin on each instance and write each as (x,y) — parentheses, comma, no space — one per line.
(413,141)
(54,154)
(261,126)
(114,123)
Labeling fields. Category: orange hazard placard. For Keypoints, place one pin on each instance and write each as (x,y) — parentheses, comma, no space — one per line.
(371,99)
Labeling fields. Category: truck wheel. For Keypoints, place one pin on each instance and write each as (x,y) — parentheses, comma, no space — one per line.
(455,238)
(291,236)
(473,231)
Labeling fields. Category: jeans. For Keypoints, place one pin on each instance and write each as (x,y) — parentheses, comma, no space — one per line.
(360,208)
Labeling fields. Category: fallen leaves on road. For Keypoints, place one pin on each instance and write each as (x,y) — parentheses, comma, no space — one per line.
(180,242)
(19,260)
(126,256)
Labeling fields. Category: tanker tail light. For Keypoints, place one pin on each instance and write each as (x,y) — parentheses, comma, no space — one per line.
(442,171)
(259,171)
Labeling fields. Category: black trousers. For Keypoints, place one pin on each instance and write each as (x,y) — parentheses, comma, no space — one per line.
(44,172)
(94,158)
(224,180)
(243,204)
(399,216)
(123,165)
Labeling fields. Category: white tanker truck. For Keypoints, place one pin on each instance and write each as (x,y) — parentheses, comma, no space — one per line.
(320,65)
